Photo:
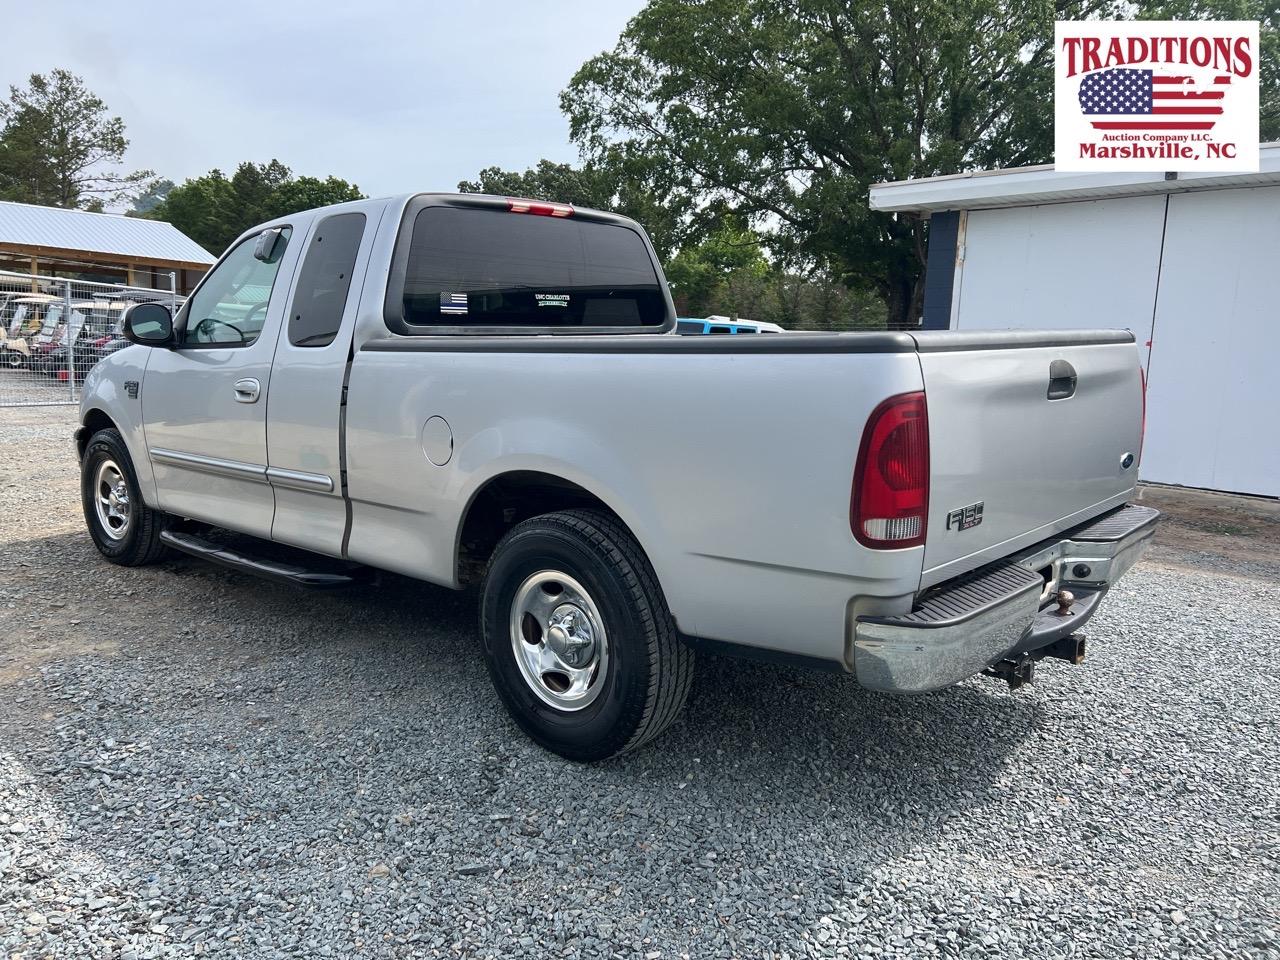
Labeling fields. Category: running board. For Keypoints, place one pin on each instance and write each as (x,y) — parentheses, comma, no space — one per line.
(269,569)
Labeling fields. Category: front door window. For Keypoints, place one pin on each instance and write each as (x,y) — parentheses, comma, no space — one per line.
(230,307)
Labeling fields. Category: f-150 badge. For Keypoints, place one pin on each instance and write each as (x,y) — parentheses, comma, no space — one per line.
(962,518)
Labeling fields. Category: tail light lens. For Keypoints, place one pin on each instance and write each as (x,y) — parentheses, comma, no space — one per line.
(1142,438)
(890,502)
(539,208)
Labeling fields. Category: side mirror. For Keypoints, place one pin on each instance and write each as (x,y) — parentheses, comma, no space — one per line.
(269,245)
(149,324)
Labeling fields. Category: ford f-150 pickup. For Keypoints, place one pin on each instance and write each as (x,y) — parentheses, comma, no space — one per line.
(488,391)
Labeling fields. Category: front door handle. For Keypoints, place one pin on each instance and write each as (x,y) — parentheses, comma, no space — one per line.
(247,390)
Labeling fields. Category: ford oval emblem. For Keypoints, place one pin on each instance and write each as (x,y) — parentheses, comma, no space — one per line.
(1126,461)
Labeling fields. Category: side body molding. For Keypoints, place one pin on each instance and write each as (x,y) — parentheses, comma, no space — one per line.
(218,467)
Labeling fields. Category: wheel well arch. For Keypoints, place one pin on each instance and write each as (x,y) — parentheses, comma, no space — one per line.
(94,420)
(505,500)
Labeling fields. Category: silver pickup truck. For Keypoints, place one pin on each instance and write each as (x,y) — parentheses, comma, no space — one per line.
(487,391)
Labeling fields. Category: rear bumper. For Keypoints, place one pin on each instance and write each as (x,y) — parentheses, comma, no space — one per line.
(963,626)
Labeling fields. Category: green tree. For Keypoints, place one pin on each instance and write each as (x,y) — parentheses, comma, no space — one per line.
(702,276)
(611,183)
(307,193)
(253,186)
(1267,13)
(787,113)
(200,207)
(214,209)
(151,197)
(555,182)
(59,146)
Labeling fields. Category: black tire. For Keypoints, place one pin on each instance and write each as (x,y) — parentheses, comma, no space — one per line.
(137,542)
(649,670)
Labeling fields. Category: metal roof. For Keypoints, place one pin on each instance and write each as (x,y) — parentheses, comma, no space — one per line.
(105,233)
(1023,186)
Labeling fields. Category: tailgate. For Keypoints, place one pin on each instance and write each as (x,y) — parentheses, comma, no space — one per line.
(1029,434)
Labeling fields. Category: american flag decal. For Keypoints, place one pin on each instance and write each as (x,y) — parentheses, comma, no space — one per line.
(453,303)
(1146,100)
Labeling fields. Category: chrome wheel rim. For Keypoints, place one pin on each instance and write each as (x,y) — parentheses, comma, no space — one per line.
(559,640)
(111,497)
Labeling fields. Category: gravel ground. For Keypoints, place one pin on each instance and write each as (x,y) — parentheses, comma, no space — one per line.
(196,763)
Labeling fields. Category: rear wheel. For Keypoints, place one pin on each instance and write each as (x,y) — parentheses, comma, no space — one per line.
(578,638)
(124,529)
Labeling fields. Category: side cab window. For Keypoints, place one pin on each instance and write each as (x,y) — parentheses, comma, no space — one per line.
(320,295)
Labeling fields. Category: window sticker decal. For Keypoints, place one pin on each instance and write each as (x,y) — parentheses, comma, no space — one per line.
(552,299)
(453,303)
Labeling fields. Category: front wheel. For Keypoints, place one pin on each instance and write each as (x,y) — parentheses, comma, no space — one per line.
(578,638)
(124,529)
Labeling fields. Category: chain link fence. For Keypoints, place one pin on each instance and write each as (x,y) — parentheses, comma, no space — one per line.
(53,331)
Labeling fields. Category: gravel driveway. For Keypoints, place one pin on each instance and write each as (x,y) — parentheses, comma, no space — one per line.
(197,763)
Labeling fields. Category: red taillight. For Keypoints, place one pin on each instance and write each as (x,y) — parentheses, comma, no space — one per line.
(539,208)
(890,502)
(1142,438)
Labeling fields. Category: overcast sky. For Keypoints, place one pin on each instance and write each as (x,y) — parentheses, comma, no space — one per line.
(390,94)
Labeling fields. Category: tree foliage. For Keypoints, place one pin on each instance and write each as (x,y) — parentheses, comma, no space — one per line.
(608,184)
(701,274)
(1267,13)
(59,146)
(798,299)
(787,113)
(556,182)
(728,274)
(151,197)
(215,209)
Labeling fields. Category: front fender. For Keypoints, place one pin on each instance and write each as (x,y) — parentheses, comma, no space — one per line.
(113,389)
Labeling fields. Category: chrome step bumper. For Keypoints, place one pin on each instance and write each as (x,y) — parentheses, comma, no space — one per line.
(961,627)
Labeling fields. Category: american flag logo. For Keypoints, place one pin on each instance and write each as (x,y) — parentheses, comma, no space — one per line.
(453,303)
(1146,100)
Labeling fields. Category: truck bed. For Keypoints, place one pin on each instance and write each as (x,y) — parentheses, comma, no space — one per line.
(732,457)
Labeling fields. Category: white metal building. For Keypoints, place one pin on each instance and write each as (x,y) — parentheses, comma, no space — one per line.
(1190,263)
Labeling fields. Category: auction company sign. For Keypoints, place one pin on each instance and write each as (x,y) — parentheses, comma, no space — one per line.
(1172,96)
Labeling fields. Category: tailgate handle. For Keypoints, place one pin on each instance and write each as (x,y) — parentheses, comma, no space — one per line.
(1062,380)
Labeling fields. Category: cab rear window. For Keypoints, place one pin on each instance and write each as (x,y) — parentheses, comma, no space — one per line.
(489,268)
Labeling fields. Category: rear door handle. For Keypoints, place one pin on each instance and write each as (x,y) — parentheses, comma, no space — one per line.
(1062,380)
(247,390)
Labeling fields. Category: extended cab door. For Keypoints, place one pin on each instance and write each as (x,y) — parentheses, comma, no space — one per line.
(304,426)
(204,402)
